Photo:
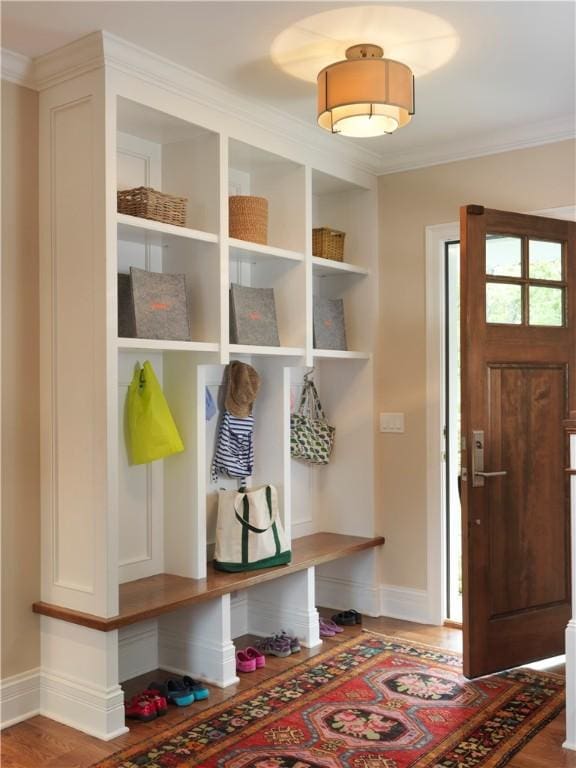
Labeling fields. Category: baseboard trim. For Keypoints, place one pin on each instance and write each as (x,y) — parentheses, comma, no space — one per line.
(19,697)
(91,709)
(137,649)
(570,742)
(405,603)
(340,594)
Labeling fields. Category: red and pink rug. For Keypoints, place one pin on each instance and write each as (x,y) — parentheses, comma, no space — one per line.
(370,702)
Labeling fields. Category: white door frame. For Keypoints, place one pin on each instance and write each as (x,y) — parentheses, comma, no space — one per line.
(436,238)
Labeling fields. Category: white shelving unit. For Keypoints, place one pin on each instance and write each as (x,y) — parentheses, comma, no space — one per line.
(107,524)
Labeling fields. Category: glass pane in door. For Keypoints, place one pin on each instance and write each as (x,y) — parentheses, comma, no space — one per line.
(504,303)
(503,256)
(544,260)
(546,306)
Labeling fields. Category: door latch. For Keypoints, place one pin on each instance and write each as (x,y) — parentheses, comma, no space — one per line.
(478,473)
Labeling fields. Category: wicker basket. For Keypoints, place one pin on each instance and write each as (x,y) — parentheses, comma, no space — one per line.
(148,203)
(249,218)
(328,243)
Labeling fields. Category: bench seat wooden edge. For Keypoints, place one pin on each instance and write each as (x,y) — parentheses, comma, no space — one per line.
(155,595)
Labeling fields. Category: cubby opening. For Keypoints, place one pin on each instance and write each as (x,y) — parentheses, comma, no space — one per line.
(161,511)
(271,439)
(157,150)
(254,171)
(174,156)
(330,497)
(342,205)
(286,277)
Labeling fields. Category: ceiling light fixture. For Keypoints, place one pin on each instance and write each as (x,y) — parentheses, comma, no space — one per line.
(365,95)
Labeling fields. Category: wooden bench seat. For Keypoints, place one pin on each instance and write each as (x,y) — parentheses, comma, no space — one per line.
(155,595)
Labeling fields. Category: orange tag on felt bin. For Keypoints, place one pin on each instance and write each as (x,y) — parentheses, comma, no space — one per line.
(158,305)
(255,315)
(328,323)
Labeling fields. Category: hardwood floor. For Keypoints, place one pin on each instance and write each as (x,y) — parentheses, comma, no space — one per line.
(42,743)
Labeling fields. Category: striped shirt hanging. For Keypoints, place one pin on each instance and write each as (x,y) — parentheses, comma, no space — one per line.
(234,455)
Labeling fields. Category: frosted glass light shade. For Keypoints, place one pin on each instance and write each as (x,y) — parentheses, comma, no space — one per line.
(365,97)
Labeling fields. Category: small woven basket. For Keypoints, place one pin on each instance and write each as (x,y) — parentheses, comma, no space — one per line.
(328,243)
(248,218)
(148,203)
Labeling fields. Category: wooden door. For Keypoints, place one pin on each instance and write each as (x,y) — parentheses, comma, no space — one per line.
(518,320)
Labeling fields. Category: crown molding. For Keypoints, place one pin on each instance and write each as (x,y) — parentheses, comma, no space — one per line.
(103,49)
(17,68)
(76,58)
(506,140)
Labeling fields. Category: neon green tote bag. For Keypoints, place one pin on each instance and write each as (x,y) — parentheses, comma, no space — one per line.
(151,428)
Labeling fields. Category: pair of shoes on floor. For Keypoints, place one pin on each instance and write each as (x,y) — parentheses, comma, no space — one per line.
(181,691)
(329,628)
(347,618)
(249,660)
(280,645)
(147,705)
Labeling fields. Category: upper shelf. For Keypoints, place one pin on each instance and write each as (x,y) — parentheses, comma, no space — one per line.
(137,230)
(252,349)
(341,354)
(167,345)
(241,249)
(327,267)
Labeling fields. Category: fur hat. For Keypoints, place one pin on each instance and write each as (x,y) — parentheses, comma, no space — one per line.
(242,385)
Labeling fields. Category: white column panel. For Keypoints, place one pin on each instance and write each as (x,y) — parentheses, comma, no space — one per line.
(76,516)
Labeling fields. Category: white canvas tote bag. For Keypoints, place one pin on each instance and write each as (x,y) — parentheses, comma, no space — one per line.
(249,533)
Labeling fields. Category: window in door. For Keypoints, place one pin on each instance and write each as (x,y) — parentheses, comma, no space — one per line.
(525,281)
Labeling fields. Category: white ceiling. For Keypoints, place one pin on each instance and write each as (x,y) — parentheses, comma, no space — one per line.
(512,81)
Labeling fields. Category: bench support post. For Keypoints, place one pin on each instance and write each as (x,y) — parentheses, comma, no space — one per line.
(197,641)
(288,603)
(79,680)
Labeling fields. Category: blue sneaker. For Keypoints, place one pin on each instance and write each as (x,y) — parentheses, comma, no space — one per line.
(196,687)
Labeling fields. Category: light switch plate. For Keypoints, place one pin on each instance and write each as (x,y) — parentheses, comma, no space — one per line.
(392,422)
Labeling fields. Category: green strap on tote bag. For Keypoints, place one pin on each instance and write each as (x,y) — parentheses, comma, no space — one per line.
(151,428)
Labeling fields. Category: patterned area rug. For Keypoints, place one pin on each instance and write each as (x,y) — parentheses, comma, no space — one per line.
(371,702)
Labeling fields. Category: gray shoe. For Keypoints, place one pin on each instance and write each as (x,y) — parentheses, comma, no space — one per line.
(275,645)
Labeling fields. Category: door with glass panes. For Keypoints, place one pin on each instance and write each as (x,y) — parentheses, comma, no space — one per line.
(518,319)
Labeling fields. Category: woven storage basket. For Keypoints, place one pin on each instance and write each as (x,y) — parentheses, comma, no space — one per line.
(328,243)
(148,203)
(249,218)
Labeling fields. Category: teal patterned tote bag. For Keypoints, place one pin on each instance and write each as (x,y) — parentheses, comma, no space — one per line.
(311,437)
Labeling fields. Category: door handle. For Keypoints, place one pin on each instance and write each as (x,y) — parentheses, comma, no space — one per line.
(478,473)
